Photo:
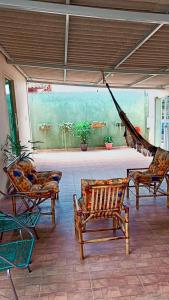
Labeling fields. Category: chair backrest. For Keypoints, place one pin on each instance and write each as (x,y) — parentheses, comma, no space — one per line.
(103,194)
(107,197)
(17,176)
(160,163)
(86,186)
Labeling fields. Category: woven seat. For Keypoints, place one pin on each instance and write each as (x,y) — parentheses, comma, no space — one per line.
(151,177)
(101,202)
(16,254)
(28,219)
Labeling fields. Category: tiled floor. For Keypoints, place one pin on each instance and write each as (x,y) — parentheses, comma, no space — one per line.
(106,273)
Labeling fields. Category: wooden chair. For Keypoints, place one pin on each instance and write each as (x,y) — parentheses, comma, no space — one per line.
(102,202)
(151,178)
(26,184)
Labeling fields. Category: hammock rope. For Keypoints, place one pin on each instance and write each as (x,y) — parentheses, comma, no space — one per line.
(133,138)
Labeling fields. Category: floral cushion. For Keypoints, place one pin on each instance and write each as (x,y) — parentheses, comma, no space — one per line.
(26,179)
(46,176)
(156,170)
(143,177)
(27,166)
(160,163)
(21,183)
(86,187)
(44,189)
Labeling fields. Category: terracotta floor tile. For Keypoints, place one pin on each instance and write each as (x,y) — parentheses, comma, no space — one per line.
(106,273)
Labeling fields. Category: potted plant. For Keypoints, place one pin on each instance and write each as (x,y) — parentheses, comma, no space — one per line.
(108,142)
(82,130)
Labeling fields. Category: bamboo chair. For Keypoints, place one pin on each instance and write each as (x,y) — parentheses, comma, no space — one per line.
(104,202)
(150,178)
(23,186)
(16,254)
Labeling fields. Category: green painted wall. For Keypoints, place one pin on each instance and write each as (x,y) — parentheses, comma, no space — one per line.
(57,107)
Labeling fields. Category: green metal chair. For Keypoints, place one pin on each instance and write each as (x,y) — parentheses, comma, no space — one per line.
(16,254)
(27,218)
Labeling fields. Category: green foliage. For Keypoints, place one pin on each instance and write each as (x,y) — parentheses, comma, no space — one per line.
(11,150)
(82,130)
(108,139)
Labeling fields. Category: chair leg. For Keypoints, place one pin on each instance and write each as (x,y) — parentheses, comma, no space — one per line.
(137,195)
(75,228)
(35,232)
(154,192)
(20,233)
(29,269)
(127,234)
(53,211)
(81,242)
(1,236)
(12,284)
(14,205)
(127,192)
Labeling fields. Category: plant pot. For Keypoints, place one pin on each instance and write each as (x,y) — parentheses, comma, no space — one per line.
(109,146)
(83,147)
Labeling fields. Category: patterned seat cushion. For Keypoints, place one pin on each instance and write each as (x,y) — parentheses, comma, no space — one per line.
(20,181)
(35,177)
(46,176)
(160,163)
(45,189)
(86,187)
(144,177)
(27,166)
(156,170)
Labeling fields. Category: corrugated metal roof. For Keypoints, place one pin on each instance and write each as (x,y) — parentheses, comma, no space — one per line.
(72,49)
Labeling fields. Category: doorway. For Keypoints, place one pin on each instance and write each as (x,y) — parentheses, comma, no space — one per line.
(12,115)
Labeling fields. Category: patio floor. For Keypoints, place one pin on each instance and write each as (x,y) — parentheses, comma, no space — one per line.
(106,272)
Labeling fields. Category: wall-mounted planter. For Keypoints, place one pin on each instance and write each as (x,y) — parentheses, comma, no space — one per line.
(45,127)
(98,124)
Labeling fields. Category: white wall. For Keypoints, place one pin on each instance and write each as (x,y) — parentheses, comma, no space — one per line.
(152,94)
(10,72)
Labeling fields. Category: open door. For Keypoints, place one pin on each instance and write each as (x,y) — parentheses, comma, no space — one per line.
(12,115)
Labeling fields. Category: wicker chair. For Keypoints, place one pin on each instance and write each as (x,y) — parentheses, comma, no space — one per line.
(16,254)
(151,178)
(39,186)
(102,202)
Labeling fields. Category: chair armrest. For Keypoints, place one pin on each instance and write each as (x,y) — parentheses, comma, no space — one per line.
(76,205)
(135,169)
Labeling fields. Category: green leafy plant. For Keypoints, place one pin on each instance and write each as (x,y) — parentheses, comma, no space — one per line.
(82,130)
(12,149)
(108,139)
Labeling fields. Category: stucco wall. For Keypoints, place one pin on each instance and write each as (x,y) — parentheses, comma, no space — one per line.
(57,107)
(10,72)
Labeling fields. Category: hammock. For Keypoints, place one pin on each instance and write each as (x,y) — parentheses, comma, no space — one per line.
(133,138)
